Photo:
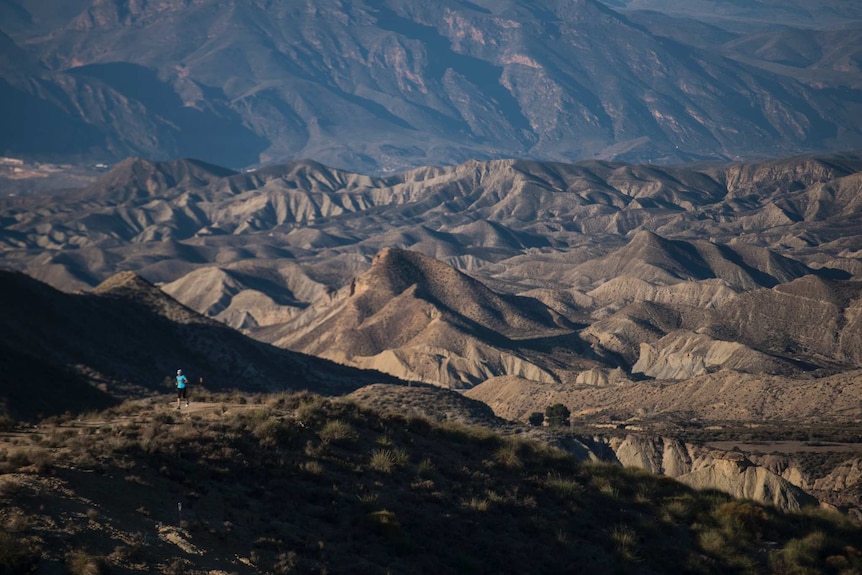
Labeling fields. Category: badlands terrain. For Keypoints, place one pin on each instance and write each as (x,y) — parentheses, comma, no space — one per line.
(700,321)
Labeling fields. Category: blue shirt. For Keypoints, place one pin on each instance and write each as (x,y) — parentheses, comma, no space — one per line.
(181,381)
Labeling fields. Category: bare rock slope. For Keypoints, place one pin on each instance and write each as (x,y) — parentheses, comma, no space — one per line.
(418,318)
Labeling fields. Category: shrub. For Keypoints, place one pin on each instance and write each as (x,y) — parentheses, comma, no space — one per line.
(386,460)
(163,417)
(312,467)
(625,538)
(425,468)
(711,541)
(742,520)
(369,499)
(80,562)
(536,418)
(677,509)
(311,408)
(17,555)
(800,555)
(507,456)
(464,432)
(336,431)
(557,415)
(269,429)
(385,521)
(565,486)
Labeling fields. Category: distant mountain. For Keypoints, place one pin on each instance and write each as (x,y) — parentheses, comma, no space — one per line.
(385,85)
(803,13)
(70,352)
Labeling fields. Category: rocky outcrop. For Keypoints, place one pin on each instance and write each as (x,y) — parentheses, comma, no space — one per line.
(742,479)
(704,468)
(682,354)
(848,475)
(599,377)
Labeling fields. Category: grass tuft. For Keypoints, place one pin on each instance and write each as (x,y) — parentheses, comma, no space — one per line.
(79,562)
(386,460)
(338,431)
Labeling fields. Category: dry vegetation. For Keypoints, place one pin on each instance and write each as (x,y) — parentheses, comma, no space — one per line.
(295,483)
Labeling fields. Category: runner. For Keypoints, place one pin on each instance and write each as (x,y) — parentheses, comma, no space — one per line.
(182,381)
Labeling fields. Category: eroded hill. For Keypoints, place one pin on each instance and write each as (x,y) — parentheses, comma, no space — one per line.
(552,272)
(74,352)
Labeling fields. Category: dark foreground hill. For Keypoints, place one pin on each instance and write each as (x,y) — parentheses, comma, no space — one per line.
(294,483)
(67,352)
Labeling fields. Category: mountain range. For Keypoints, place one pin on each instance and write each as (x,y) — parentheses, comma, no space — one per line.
(380,86)
(668,276)
(83,352)
(667,301)
(515,268)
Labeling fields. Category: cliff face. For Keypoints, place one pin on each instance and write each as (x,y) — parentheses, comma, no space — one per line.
(705,468)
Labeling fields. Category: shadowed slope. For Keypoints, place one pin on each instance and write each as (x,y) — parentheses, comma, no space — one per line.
(296,483)
(127,337)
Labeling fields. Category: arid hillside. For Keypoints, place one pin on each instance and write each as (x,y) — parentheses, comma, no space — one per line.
(575,274)
(103,366)
(63,352)
(296,483)
(417,318)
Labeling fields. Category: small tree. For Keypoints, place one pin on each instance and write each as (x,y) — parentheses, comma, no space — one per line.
(557,415)
(537,418)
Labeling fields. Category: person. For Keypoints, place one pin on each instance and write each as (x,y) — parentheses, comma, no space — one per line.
(182,392)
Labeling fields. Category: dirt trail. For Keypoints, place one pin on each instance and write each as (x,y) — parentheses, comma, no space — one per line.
(143,412)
